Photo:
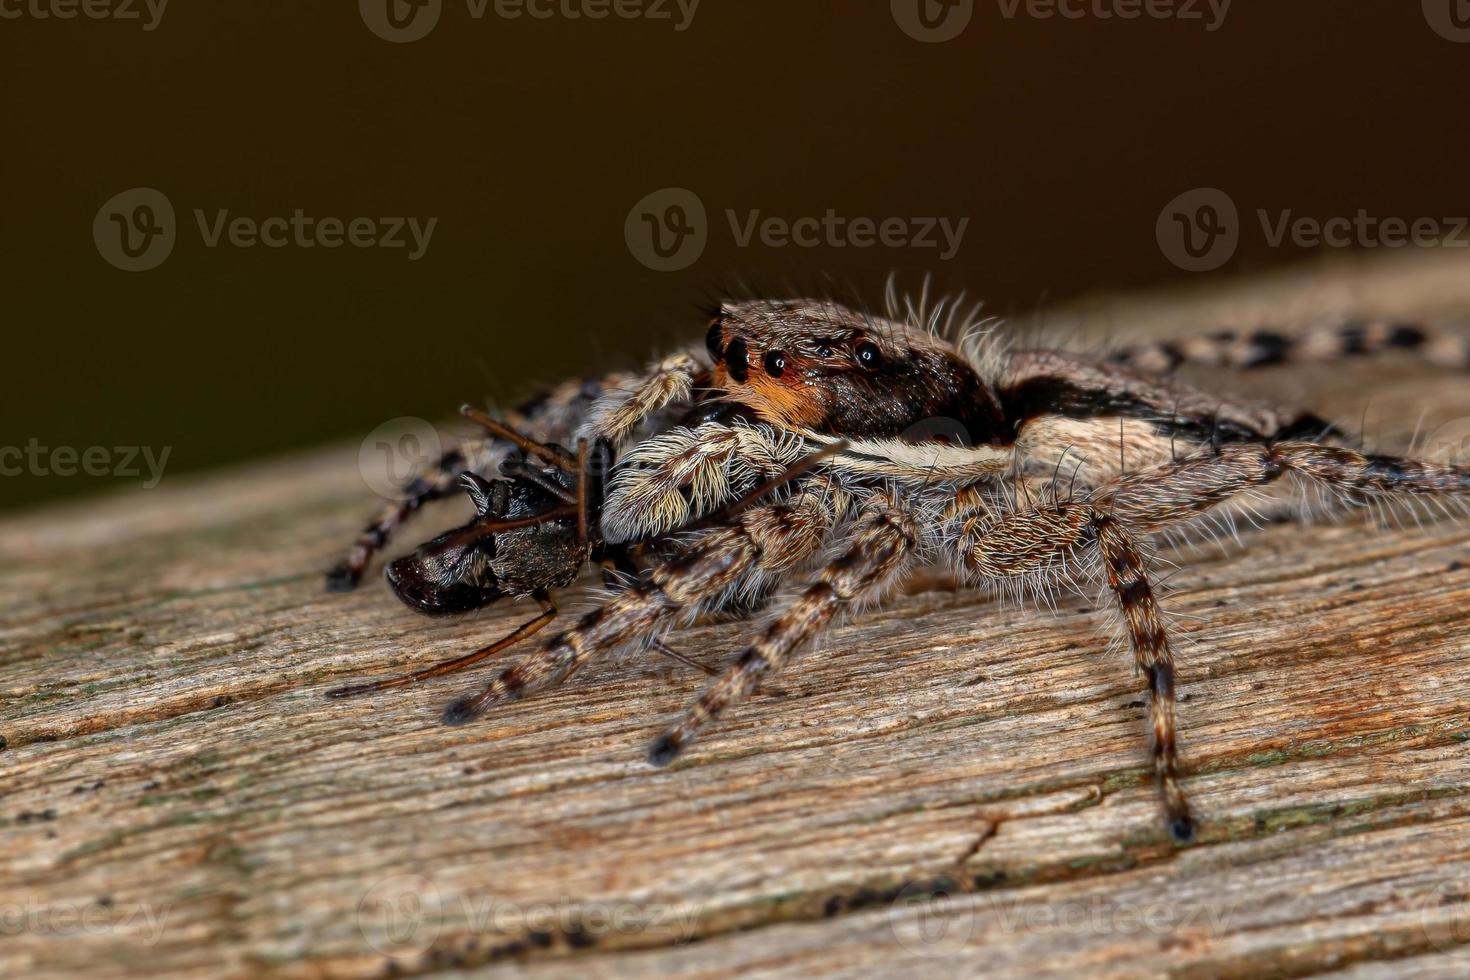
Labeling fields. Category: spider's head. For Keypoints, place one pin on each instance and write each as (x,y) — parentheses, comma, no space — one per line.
(818,366)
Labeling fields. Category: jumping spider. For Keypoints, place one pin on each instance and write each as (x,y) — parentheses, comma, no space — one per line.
(803,428)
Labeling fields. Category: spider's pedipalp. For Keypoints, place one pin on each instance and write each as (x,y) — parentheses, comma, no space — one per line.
(668,480)
(879,548)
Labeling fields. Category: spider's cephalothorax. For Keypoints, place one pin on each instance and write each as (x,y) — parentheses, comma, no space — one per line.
(820,367)
(803,438)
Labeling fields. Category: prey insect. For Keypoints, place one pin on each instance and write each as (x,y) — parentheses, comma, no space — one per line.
(810,443)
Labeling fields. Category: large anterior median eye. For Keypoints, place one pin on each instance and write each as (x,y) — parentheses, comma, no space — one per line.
(868,355)
(714,341)
(735,360)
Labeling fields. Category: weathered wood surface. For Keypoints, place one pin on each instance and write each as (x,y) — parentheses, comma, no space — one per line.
(178,797)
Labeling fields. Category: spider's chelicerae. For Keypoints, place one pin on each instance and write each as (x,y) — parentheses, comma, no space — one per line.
(805,439)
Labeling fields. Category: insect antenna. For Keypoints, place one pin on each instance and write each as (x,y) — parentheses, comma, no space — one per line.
(554,455)
(455,664)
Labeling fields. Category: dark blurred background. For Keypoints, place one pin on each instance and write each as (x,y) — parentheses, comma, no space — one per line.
(530,140)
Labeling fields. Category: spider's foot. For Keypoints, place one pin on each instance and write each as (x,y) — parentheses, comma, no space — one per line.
(462,711)
(1182,828)
(343,578)
(664,751)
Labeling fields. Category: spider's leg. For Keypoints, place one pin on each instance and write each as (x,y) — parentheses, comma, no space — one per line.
(1037,542)
(456,664)
(616,415)
(764,541)
(878,550)
(1157,498)
(437,482)
(1265,346)
(550,417)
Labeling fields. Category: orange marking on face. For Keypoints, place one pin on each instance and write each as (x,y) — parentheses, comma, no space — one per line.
(788,401)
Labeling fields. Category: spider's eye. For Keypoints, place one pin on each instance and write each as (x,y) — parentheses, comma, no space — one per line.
(775,363)
(735,360)
(869,356)
(714,341)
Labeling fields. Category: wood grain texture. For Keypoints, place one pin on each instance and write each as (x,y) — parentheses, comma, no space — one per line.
(179,798)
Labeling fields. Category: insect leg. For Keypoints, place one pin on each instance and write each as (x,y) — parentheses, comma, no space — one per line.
(456,664)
